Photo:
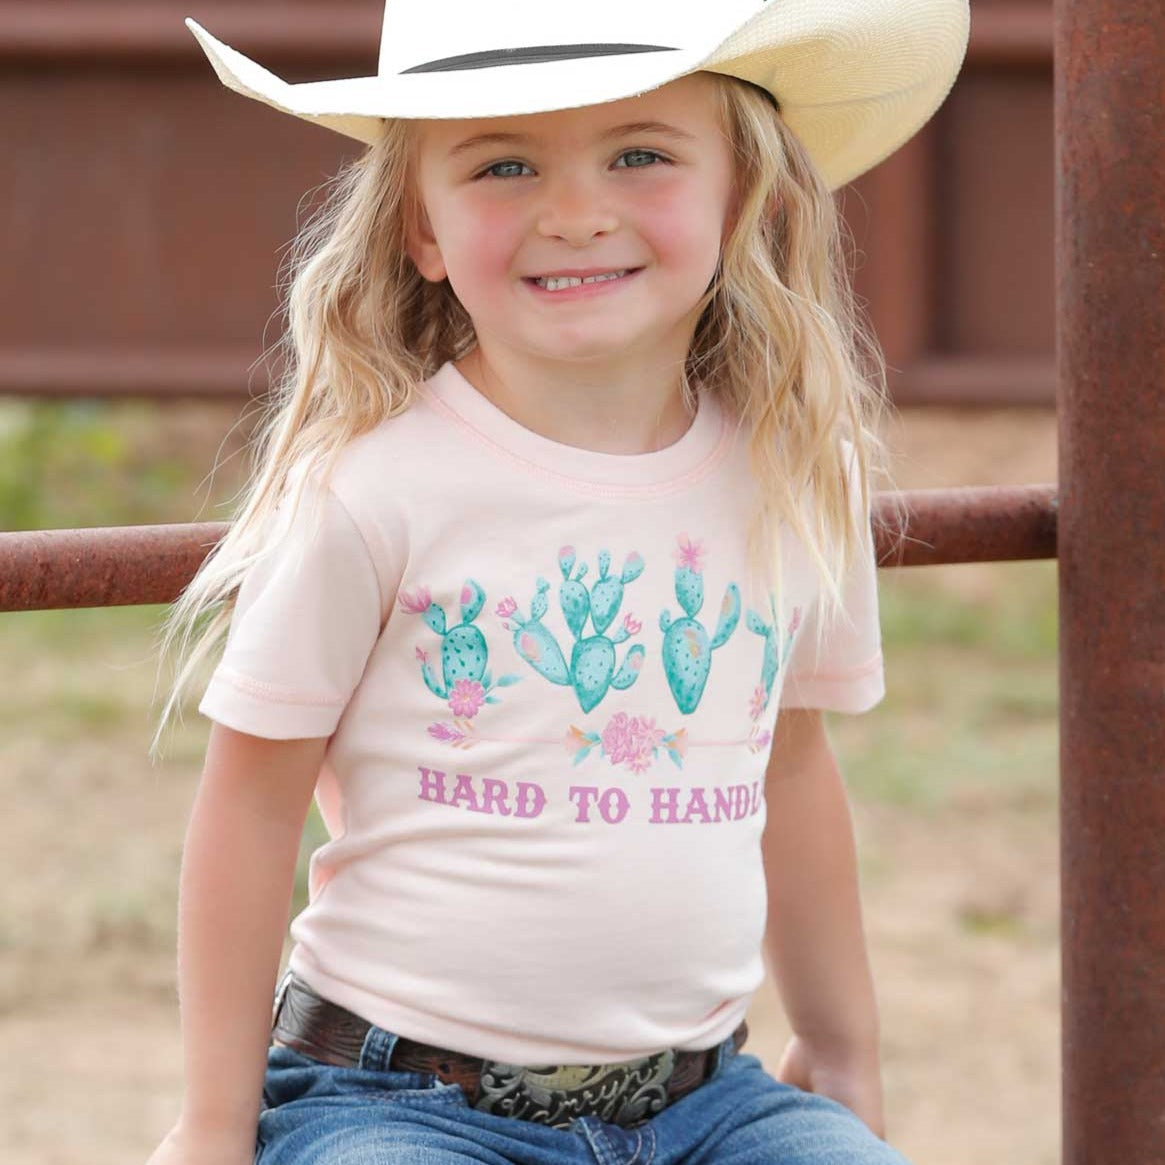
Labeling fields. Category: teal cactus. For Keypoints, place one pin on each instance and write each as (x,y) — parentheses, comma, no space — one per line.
(687,648)
(465,680)
(770,661)
(774,657)
(591,672)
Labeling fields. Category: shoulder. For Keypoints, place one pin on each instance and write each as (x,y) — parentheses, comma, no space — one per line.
(371,481)
(387,461)
(388,449)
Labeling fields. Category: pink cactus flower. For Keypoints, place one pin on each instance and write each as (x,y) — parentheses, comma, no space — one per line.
(465,699)
(422,656)
(632,624)
(757,704)
(566,552)
(690,554)
(416,603)
(635,560)
(617,743)
(632,740)
(795,622)
(506,607)
(645,757)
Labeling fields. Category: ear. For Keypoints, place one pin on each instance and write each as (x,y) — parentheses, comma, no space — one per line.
(421,244)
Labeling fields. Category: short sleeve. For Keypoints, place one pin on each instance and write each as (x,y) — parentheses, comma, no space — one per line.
(844,673)
(306,618)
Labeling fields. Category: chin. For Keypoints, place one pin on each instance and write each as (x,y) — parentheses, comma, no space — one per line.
(593,342)
(582,353)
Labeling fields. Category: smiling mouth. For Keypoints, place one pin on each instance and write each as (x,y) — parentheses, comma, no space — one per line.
(561,282)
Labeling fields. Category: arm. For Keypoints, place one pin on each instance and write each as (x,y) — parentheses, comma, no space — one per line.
(234,897)
(814,938)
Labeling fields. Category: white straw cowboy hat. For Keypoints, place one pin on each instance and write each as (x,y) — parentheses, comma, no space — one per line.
(854,79)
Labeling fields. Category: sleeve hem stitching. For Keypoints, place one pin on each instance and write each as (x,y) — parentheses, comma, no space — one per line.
(849,673)
(273,693)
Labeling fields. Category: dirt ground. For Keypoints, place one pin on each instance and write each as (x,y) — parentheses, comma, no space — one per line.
(90,1069)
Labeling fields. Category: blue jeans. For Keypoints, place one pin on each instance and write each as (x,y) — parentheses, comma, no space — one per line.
(317,1114)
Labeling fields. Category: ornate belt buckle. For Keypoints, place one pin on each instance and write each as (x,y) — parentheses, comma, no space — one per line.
(626,1093)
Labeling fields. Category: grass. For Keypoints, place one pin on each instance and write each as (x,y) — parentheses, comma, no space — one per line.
(972,691)
(73,464)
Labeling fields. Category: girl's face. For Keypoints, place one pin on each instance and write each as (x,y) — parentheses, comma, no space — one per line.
(640,189)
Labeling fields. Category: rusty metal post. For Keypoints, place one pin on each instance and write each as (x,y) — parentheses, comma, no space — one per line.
(1110,257)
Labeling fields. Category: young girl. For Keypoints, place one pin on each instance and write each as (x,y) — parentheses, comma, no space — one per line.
(565,494)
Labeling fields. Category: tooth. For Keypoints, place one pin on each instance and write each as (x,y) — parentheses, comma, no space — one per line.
(557,282)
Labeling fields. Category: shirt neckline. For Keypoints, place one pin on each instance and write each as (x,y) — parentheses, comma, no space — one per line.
(689,456)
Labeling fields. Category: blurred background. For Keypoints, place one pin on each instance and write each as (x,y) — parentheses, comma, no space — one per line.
(145,215)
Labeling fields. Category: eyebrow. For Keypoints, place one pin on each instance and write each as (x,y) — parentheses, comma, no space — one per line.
(617,131)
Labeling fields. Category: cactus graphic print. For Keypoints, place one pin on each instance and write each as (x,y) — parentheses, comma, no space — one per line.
(684,652)
(687,650)
(591,672)
(464,680)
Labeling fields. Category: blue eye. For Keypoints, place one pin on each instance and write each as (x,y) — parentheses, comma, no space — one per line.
(491,171)
(651,155)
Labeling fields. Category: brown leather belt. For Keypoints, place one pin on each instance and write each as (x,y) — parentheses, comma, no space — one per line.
(625,1093)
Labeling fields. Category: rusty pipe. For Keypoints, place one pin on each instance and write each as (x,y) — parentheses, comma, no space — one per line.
(127,565)
(1110,277)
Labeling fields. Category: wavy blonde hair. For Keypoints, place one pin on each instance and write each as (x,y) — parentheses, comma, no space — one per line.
(779,340)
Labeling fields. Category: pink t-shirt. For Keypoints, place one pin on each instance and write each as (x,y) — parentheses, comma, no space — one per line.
(550,685)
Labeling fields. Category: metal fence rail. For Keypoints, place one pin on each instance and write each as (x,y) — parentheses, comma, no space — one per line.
(119,566)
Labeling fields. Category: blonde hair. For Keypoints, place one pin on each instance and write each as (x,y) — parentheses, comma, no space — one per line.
(779,340)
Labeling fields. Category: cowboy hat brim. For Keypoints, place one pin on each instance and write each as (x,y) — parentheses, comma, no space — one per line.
(855,79)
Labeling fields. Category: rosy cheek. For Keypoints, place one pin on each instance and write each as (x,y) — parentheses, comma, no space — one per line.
(485,236)
(678,221)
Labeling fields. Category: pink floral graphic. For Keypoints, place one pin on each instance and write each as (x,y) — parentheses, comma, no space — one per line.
(690,554)
(633,741)
(506,607)
(422,654)
(466,698)
(416,602)
(757,704)
(756,743)
(632,624)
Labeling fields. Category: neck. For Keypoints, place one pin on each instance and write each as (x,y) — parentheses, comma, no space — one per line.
(626,407)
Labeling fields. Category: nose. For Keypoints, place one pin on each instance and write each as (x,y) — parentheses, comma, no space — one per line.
(575,210)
